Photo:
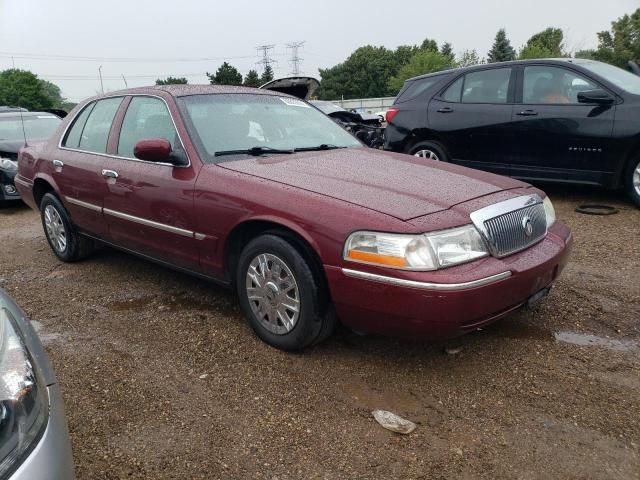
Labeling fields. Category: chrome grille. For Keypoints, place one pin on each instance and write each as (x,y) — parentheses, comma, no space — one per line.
(513,225)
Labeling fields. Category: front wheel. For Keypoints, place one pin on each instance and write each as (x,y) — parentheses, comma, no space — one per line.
(65,241)
(632,181)
(280,295)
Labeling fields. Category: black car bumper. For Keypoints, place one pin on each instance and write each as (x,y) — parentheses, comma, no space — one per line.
(8,189)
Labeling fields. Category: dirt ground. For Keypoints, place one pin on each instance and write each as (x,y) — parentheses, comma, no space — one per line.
(163,379)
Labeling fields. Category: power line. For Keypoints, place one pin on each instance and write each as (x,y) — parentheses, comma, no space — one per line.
(73,58)
(295,60)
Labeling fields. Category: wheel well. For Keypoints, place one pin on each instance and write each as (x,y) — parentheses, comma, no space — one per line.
(421,135)
(247,231)
(40,189)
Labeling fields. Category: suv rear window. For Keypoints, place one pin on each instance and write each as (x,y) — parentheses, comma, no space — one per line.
(414,89)
(485,86)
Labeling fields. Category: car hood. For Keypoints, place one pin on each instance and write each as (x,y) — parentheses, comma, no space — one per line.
(301,87)
(399,185)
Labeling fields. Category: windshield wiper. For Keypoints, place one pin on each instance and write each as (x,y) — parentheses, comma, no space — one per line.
(252,151)
(324,146)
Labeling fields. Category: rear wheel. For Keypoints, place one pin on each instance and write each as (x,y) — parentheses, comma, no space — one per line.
(280,295)
(429,151)
(65,241)
(632,180)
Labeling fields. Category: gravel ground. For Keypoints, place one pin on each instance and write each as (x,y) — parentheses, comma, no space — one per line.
(163,379)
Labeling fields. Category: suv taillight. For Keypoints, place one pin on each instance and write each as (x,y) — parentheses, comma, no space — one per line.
(392,113)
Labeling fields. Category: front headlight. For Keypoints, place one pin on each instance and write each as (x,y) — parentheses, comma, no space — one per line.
(549,211)
(24,402)
(424,252)
(9,165)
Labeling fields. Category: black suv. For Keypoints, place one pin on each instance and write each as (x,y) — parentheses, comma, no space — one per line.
(567,120)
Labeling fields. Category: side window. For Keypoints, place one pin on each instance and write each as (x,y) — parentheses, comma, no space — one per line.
(146,117)
(75,133)
(416,88)
(486,86)
(452,94)
(545,84)
(96,131)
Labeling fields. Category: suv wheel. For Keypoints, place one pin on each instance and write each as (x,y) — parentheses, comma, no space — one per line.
(428,150)
(280,296)
(63,238)
(632,180)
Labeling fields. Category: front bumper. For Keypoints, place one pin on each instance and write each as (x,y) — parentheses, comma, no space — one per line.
(51,458)
(449,302)
(8,190)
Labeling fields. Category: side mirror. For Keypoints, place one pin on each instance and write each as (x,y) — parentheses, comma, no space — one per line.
(153,150)
(598,96)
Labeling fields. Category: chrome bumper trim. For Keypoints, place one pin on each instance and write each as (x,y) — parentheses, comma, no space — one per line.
(80,203)
(425,285)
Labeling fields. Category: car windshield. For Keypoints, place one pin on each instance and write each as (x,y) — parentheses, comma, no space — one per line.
(620,78)
(250,124)
(36,127)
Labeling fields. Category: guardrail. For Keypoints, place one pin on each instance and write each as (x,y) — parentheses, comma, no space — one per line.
(371,105)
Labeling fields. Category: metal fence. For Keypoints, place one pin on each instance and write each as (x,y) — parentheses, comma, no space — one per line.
(371,105)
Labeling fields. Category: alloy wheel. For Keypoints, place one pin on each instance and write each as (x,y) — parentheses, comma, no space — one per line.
(429,154)
(636,179)
(56,232)
(273,293)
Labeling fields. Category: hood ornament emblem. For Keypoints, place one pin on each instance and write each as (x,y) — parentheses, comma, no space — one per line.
(527,226)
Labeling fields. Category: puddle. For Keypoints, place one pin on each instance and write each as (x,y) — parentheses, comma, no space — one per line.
(588,340)
(45,338)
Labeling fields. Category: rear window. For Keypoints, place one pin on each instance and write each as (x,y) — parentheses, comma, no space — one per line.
(415,89)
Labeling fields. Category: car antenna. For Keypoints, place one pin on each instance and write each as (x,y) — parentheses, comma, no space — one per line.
(24,132)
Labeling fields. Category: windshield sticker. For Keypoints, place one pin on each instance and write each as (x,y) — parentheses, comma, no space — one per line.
(293,102)
(47,116)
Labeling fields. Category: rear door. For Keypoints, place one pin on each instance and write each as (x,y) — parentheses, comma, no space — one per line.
(472,118)
(78,163)
(560,138)
(149,205)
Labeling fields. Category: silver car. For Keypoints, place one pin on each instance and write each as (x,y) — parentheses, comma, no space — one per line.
(34,440)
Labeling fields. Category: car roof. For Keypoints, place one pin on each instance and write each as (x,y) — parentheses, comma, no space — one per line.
(481,66)
(18,114)
(186,90)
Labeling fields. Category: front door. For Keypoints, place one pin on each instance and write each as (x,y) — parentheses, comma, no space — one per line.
(472,119)
(560,138)
(149,205)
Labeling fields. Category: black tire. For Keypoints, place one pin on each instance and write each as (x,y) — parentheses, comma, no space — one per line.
(432,146)
(77,246)
(314,323)
(633,190)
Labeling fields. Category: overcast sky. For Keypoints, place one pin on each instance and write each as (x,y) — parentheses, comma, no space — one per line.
(65,41)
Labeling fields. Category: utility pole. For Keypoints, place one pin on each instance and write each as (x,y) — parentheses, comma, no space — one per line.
(266,58)
(101,84)
(295,60)
(125,81)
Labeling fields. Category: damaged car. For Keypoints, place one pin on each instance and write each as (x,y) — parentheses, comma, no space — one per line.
(19,127)
(366,127)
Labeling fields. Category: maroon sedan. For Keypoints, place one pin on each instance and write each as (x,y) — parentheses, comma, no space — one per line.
(262,192)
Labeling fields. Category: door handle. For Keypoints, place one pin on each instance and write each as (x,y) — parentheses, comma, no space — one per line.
(527,113)
(109,174)
(58,163)
(445,110)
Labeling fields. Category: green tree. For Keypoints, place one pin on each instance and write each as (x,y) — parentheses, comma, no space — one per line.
(52,91)
(447,50)
(429,44)
(468,58)
(501,51)
(427,61)
(622,43)
(267,75)
(547,43)
(21,88)
(252,79)
(171,81)
(225,75)
(587,54)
